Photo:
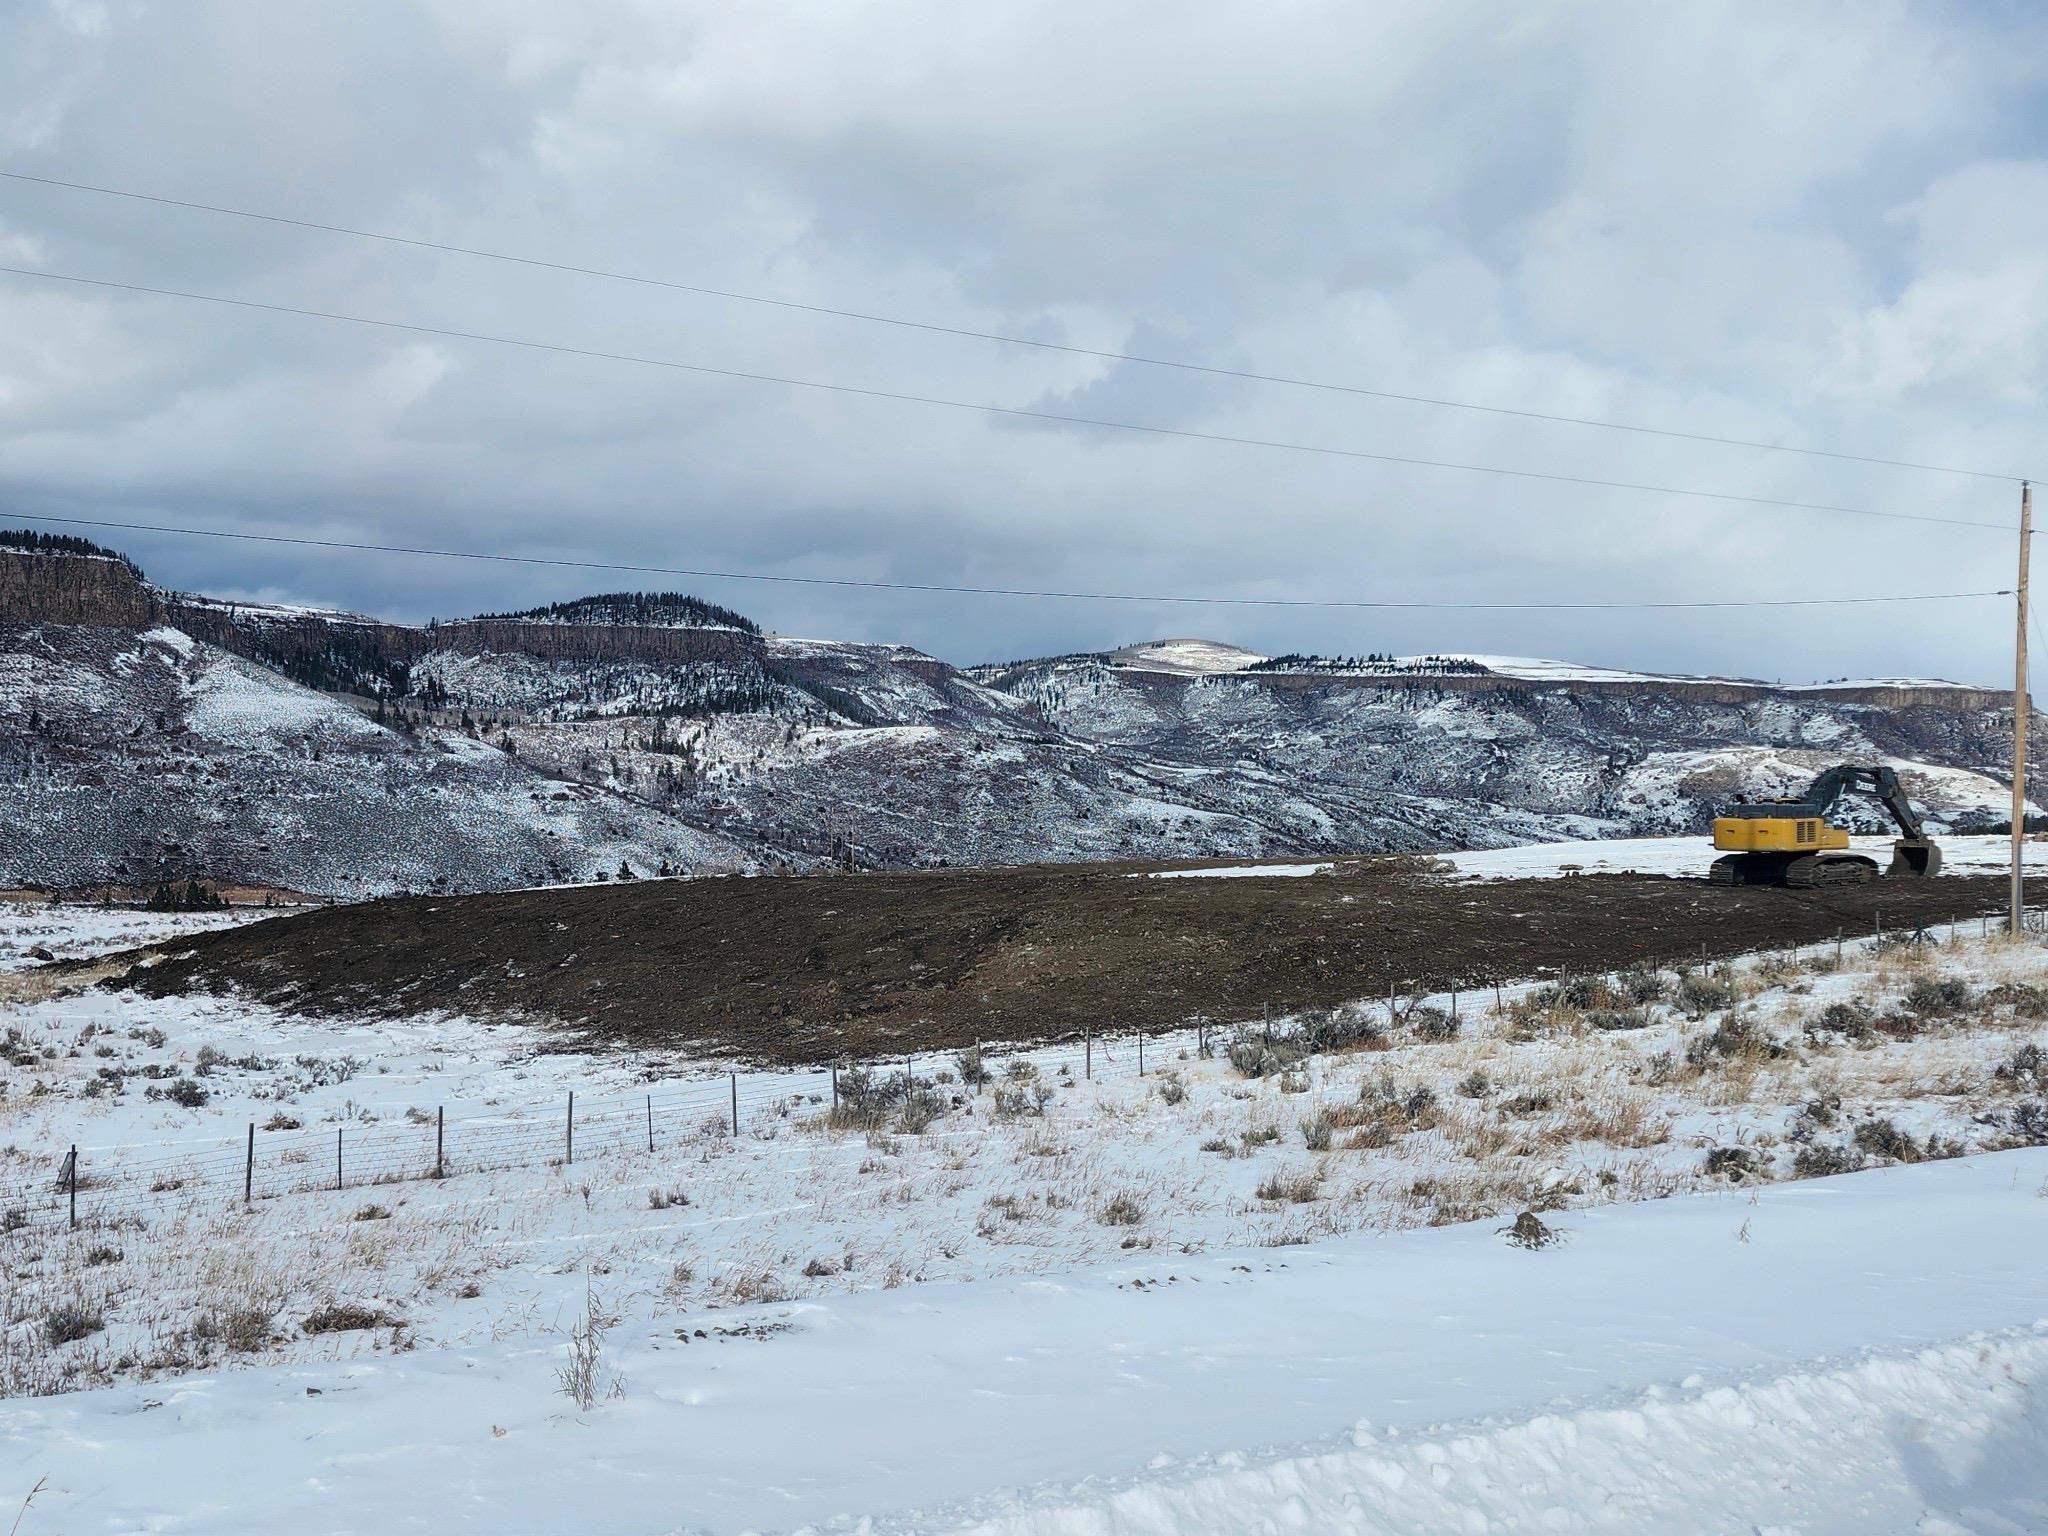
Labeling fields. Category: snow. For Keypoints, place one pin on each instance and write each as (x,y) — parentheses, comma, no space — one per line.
(1656,1370)
(1239,871)
(1541,669)
(1185,658)
(1978,854)
(1874,682)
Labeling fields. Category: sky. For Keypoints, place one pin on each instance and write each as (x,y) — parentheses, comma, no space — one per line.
(1813,225)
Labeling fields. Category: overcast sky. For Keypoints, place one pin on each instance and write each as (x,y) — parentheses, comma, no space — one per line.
(1824,225)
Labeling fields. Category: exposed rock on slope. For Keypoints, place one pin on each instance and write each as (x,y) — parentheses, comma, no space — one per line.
(668,733)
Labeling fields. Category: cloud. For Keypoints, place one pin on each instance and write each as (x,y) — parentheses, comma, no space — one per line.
(1794,224)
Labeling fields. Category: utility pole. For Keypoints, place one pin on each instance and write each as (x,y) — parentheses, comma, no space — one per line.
(2020,708)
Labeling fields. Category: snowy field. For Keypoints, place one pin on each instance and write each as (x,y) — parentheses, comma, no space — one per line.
(1271,1288)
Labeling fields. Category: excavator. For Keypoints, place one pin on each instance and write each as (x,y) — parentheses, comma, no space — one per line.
(1791,842)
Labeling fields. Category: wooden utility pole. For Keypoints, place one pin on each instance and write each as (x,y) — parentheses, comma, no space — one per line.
(2020,708)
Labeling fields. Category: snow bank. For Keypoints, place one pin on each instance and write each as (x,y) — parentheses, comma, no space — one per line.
(1239,871)
(1854,1354)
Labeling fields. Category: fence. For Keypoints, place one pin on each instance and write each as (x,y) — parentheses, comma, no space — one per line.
(262,1162)
(85,1184)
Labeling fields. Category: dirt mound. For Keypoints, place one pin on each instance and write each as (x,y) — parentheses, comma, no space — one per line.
(806,970)
(812,969)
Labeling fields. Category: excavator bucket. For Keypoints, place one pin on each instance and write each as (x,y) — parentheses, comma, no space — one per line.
(1914,857)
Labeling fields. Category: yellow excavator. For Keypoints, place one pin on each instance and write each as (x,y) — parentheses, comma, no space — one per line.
(1791,842)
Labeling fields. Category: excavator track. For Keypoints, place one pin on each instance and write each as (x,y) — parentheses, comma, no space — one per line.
(1813,870)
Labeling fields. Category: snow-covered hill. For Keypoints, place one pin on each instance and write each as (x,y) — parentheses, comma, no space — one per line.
(135,756)
(158,732)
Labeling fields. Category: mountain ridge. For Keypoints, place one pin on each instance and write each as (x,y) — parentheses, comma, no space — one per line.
(713,746)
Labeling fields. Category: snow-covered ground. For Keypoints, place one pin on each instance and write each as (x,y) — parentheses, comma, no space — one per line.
(1197,1300)
(1862,1354)
(1976,854)
(75,930)
(1241,871)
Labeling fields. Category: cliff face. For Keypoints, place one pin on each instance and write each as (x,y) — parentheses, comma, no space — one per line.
(334,651)
(37,588)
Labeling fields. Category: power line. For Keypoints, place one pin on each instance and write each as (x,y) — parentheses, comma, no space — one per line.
(934,328)
(965,591)
(1011,411)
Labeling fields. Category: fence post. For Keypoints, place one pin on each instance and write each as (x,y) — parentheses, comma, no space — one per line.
(650,1122)
(249,1168)
(1838,949)
(835,1087)
(440,1141)
(571,1129)
(735,1106)
(73,1182)
(1266,1013)
(1141,1053)
(337,1157)
(1454,1005)
(1088,1054)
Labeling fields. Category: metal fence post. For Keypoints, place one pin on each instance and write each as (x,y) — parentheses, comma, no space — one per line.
(73,1182)
(1141,1053)
(249,1168)
(650,1122)
(835,1086)
(337,1157)
(735,1106)
(440,1141)
(1088,1054)
(571,1156)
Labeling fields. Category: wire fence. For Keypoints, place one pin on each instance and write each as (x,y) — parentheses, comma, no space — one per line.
(88,1185)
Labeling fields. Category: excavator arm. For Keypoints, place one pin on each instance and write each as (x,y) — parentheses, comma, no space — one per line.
(1882,782)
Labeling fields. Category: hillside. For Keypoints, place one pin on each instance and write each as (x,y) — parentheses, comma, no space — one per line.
(666,733)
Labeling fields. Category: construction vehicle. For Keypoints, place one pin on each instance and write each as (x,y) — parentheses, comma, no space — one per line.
(1791,842)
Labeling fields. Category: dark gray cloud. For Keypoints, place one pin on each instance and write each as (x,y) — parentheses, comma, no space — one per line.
(1788,223)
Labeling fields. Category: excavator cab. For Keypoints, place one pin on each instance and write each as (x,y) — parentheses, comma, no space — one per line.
(1791,842)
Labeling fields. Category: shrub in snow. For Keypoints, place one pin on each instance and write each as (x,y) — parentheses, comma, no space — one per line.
(1474,1085)
(1028,1098)
(239,1330)
(1122,1209)
(1610,1019)
(1170,1088)
(1432,1024)
(1317,1131)
(1731,1163)
(2028,1122)
(972,1068)
(1642,985)
(1735,1038)
(2025,1068)
(1883,1138)
(1851,1020)
(346,1317)
(182,1090)
(1298,1188)
(69,1321)
(1700,994)
(922,1106)
(1939,996)
(2026,1000)
(1529,1231)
